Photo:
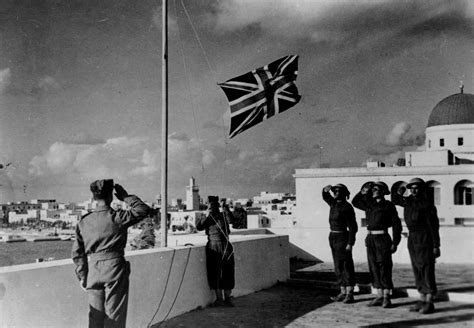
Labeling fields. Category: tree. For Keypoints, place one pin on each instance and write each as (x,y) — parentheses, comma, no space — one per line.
(146,238)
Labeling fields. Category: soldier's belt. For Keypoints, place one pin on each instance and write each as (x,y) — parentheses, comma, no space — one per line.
(336,231)
(376,232)
(105,256)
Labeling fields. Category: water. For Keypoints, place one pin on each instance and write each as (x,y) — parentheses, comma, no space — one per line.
(28,252)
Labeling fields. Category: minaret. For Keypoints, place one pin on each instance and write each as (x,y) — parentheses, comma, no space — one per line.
(192,196)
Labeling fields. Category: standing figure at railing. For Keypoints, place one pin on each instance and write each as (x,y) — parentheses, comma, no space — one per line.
(219,251)
(343,229)
(381,214)
(102,236)
(422,222)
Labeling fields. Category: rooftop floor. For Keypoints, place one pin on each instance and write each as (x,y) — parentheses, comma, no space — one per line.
(304,301)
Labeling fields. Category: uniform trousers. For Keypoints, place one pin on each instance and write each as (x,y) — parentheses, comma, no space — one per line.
(107,290)
(422,259)
(379,256)
(220,265)
(343,262)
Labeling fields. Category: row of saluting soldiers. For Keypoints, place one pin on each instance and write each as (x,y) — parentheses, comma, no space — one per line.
(423,238)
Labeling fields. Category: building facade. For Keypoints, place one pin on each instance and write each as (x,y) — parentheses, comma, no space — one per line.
(446,165)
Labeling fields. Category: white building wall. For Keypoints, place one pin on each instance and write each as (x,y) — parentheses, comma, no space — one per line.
(14,217)
(312,211)
(450,134)
(425,158)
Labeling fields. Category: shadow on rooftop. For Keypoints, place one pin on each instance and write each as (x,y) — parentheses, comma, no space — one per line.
(274,307)
(426,321)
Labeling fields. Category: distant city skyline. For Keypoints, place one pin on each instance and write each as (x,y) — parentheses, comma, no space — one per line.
(80,90)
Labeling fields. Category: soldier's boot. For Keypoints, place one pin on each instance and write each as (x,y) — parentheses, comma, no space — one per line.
(418,305)
(386,303)
(219,300)
(227,300)
(340,297)
(378,300)
(428,306)
(349,295)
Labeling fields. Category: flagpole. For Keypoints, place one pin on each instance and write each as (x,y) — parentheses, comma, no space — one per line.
(164,129)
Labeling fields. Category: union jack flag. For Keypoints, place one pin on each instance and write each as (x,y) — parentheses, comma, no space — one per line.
(261,93)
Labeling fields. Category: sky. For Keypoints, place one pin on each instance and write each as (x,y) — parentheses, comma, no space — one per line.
(80,90)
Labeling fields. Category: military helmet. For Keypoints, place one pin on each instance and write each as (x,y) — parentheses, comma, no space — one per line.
(342,187)
(384,187)
(368,184)
(416,181)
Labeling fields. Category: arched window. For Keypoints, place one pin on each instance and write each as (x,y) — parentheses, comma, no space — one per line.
(463,192)
(433,190)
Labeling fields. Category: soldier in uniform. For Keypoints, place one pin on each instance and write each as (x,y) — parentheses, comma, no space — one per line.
(102,236)
(381,214)
(240,217)
(422,222)
(219,251)
(343,229)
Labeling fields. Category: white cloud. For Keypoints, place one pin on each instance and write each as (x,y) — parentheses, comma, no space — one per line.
(113,157)
(208,157)
(342,22)
(149,164)
(120,157)
(277,15)
(5,76)
(398,135)
(48,83)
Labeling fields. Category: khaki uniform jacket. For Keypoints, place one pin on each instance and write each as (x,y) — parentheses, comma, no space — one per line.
(105,231)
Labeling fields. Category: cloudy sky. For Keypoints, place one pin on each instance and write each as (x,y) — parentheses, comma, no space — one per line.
(80,89)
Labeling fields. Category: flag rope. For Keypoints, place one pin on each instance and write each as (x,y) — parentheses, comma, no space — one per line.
(188,84)
(214,73)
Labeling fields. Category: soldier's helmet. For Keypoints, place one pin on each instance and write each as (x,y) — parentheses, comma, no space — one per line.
(384,187)
(367,184)
(416,181)
(341,187)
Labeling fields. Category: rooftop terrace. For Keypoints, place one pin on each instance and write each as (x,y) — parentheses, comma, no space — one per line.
(303,301)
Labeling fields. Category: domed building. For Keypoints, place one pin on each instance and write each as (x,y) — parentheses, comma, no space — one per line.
(451,126)
(446,165)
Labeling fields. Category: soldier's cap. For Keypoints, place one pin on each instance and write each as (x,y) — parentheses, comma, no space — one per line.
(102,188)
(384,187)
(342,187)
(213,199)
(416,181)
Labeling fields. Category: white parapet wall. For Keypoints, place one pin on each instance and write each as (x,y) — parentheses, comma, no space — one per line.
(164,283)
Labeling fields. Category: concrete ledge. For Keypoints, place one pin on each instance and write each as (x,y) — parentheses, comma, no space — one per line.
(48,295)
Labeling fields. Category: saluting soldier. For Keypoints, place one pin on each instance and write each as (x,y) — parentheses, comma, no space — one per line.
(102,236)
(343,229)
(381,214)
(220,261)
(422,222)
